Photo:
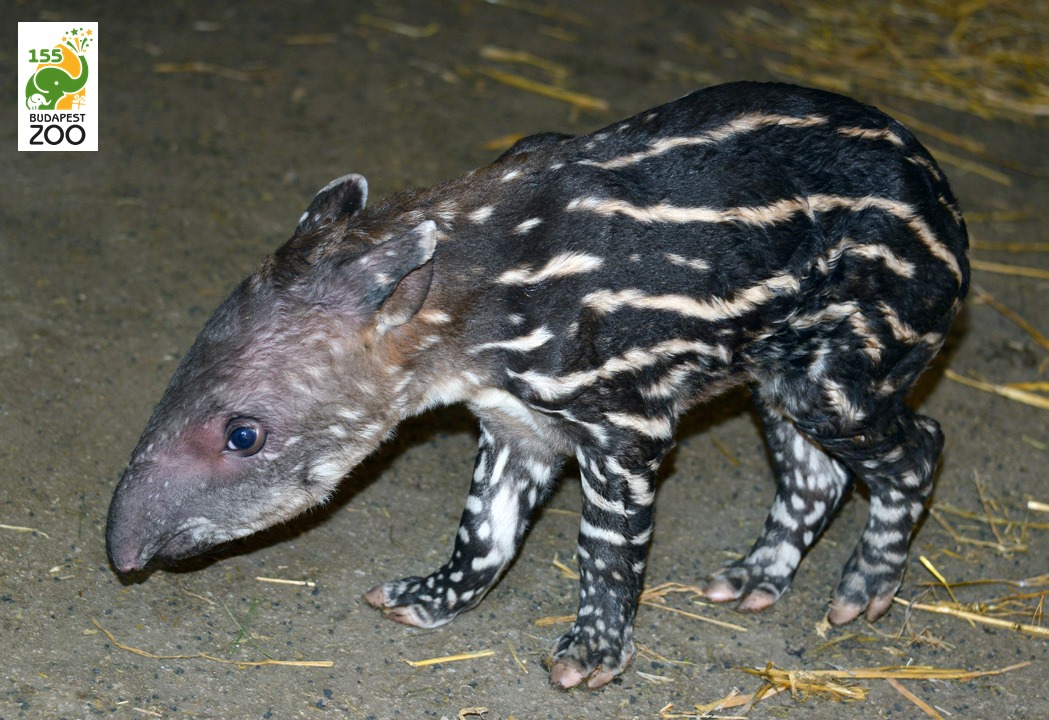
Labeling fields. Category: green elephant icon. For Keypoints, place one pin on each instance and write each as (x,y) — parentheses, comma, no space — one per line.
(50,84)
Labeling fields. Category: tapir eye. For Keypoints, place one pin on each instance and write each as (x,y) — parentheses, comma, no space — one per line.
(245,437)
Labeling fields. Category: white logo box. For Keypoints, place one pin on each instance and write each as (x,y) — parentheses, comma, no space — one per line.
(58,106)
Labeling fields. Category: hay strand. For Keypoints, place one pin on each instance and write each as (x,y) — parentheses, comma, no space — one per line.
(1006,269)
(578,101)
(656,597)
(977,168)
(282,581)
(1006,246)
(498,54)
(1021,396)
(450,658)
(918,702)
(927,564)
(977,57)
(517,659)
(838,685)
(397,28)
(212,658)
(952,611)
(779,677)
(804,684)
(22,529)
(1011,315)
(201,68)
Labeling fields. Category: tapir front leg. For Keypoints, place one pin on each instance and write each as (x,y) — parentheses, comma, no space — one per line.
(511,476)
(618,492)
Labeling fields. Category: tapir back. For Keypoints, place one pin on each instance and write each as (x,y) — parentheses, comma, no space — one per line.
(714,218)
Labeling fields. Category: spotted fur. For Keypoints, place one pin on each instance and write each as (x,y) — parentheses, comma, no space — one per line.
(580,294)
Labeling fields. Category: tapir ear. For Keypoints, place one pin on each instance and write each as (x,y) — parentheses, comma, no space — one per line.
(340,198)
(394,277)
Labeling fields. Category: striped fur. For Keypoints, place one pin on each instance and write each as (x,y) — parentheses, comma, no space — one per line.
(580,294)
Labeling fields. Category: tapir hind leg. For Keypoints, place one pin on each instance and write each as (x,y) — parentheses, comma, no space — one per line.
(841,416)
(810,486)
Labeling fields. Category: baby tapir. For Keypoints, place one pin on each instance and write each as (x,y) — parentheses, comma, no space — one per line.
(580,294)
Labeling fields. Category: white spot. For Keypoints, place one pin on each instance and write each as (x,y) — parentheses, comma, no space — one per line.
(525,226)
(337,431)
(435,317)
(540,472)
(328,471)
(781,515)
(787,559)
(481,214)
(818,512)
(475,504)
(493,559)
(693,263)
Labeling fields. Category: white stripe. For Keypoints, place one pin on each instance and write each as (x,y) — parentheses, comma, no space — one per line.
(877,251)
(606,301)
(499,467)
(669,385)
(525,343)
(775,212)
(600,502)
(657,427)
(642,491)
(666,213)
(550,388)
(558,266)
(505,515)
(871,134)
(902,211)
(609,536)
(742,124)
(900,330)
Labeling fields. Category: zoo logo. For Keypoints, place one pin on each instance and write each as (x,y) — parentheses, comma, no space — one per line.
(54,86)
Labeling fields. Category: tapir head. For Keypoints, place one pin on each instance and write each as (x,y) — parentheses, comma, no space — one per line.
(289,385)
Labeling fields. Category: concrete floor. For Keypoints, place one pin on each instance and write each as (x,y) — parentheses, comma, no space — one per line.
(110,262)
